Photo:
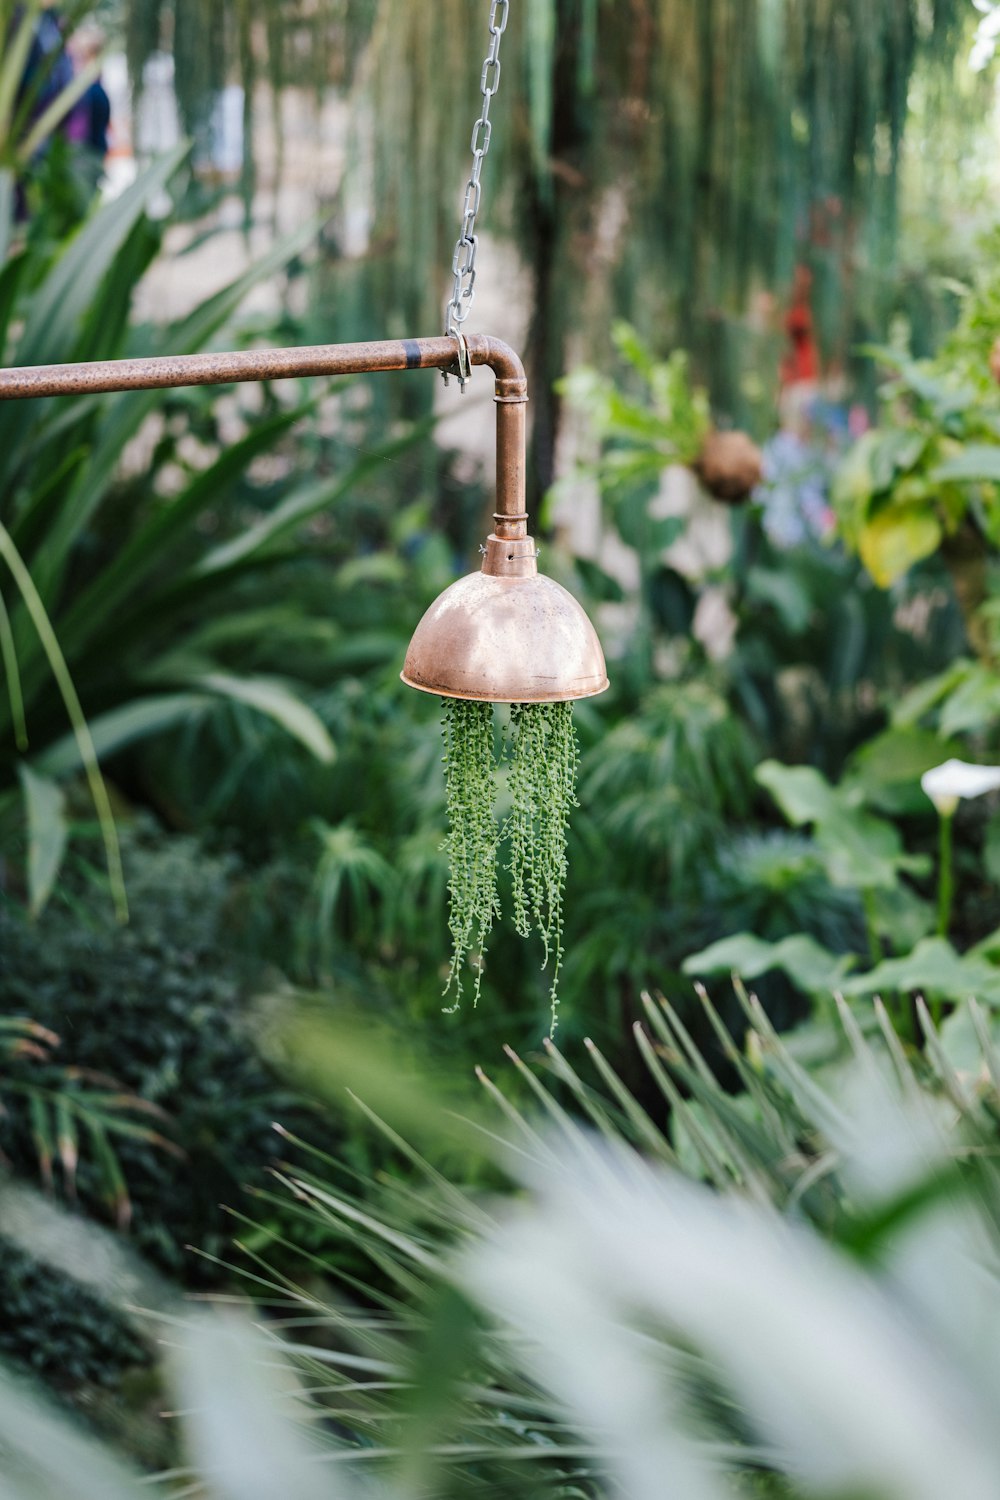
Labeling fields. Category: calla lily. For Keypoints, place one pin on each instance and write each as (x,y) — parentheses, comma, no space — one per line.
(946,785)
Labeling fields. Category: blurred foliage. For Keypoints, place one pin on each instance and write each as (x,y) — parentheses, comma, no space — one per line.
(161,1005)
(679,1287)
(232,579)
(927,479)
(676,166)
(108,564)
(57,1329)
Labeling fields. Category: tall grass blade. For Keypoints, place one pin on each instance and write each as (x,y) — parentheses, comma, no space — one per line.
(81,732)
(47,834)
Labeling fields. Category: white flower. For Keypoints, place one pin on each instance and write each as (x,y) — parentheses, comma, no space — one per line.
(945,785)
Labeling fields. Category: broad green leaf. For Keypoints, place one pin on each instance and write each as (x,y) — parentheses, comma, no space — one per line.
(809,965)
(961,1043)
(864,851)
(933,968)
(47,834)
(854,485)
(896,538)
(888,768)
(919,701)
(803,793)
(859,848)
(279,703)
(976,461)
(974,704)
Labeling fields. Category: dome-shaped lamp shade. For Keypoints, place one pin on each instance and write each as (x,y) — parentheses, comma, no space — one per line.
(506,635)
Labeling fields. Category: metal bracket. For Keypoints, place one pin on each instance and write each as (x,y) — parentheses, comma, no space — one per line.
(462,367)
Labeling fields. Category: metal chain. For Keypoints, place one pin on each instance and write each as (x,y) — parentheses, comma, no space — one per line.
(463,262)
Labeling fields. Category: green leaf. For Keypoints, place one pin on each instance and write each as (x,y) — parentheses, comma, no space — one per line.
(976,461)
(120,727)
(860,850)
(112,1177)
(124,414)
(81,731)
(126,574)
(302,504)
(919,701)
(599,584)
(47,834)
(974,704)
(787,595)
(61,303)
(897,537)
(803,794)
(42,1135)
(809,965)
(991,849)
(886,770)
(961,1043)
(933,968)
(278,702)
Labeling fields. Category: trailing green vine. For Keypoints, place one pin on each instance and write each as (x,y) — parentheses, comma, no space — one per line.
(470,791)
(542,757)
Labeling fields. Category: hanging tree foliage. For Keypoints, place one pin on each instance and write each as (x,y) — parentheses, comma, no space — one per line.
(661,161)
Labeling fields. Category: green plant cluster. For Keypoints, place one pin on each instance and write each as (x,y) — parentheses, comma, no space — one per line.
(542,756)
(927,477)
(53,1326)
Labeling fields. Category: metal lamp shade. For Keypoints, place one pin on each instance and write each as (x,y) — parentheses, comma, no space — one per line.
(515,638)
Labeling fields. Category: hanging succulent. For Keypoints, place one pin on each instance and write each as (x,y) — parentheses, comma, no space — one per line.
(541,753)
(543,759)
(470,792)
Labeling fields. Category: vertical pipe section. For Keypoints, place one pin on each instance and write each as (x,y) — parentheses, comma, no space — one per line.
(511,516)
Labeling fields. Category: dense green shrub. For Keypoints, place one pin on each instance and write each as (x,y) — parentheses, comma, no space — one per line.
(53,1326)
(162,1007)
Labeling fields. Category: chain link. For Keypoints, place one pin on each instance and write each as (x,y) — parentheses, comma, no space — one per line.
(463,262)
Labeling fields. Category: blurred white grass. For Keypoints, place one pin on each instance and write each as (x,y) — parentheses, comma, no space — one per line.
(662,1318)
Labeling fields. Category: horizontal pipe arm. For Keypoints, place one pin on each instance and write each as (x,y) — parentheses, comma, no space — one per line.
(166,371)
(441,353)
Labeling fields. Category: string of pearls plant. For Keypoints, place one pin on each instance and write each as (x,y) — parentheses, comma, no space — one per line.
(539,749)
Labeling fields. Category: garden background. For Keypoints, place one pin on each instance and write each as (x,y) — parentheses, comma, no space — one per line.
(736,1227)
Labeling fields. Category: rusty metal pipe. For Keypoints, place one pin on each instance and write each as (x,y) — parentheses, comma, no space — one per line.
(165,372)
(162,372)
